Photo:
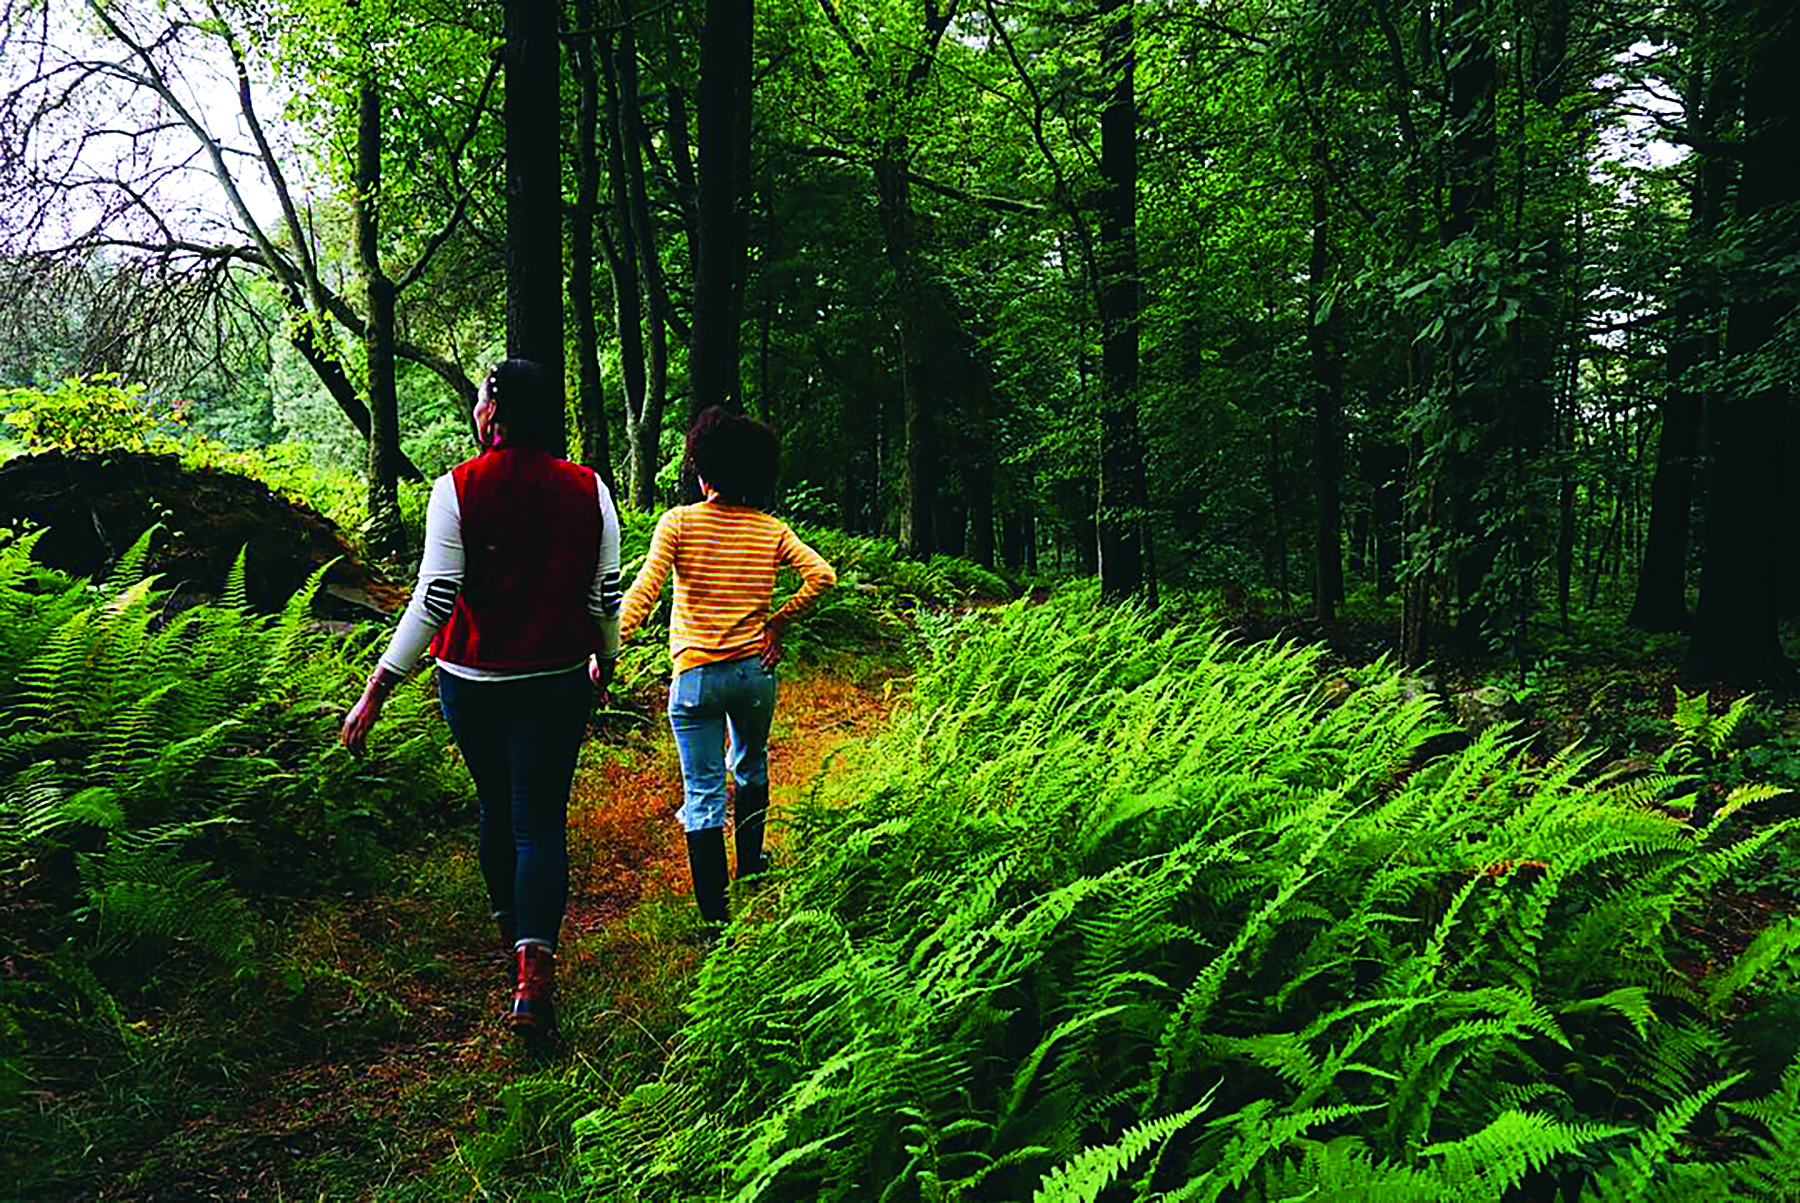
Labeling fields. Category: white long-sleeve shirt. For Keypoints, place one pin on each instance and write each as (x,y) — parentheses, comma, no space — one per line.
(441,577)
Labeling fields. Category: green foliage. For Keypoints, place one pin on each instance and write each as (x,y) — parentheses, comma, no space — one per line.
(1700,735)
(93,413)
(169,778)
(1116,884)
(292,470)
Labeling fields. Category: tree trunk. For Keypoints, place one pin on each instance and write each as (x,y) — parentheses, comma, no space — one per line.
(952,525)
(1384,469)
(590,395)
(333,377)
(1472,135)
(1327,390)
(1519,469)
(534,266)
(1278,548)
(1419,537)
(634,253)
(725,48)
(979,484)
(387,536)
(1661,601)
(1012,539)
(647,441)
(1737,638)
(1565,435)
(1119,504)
(919,476)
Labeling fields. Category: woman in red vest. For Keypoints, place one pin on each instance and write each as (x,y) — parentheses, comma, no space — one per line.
(518,586)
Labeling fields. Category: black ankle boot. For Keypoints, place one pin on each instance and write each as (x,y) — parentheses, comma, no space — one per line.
(752,812)
(706,861)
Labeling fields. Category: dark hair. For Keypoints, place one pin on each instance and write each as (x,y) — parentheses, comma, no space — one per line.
(528,401)
(737,455)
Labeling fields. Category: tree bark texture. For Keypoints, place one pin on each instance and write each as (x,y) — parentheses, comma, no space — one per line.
(1119,504)
(590,395)
(1737,638)
(1661,600)
(725,47)
(386,535)
(919,475)
(534,291)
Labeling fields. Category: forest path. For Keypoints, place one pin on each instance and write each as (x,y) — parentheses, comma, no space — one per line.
(389,1081)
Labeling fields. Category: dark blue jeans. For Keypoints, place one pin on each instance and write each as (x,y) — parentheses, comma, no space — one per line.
(519,739)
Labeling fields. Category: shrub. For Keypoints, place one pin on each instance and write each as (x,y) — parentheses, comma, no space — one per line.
(92,413)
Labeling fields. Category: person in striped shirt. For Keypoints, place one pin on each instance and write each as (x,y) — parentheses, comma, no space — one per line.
(723,639)
(518,587)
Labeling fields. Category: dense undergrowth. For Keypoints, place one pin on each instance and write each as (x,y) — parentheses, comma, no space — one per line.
(177,817)
(170,786)
(1120,909)
(1126,911)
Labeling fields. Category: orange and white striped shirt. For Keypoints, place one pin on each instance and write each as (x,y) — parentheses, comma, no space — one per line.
(725,558)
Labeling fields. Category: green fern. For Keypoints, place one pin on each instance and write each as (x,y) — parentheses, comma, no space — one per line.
(1106,863)
(1085,1176)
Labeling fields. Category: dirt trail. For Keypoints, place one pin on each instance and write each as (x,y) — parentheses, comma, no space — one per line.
(406,1053)
(625,844)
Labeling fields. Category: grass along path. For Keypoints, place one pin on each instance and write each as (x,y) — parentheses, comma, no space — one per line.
(389,1075)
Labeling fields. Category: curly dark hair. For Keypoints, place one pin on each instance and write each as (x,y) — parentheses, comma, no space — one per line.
(528,401)
(737,455)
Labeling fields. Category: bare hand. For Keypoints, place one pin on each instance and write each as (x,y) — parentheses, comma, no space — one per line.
(600,672)
(771,646)
(360,721)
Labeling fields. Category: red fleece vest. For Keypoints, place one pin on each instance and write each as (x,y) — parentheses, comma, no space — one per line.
(531,544)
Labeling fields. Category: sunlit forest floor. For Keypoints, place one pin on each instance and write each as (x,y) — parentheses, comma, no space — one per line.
(396,1080)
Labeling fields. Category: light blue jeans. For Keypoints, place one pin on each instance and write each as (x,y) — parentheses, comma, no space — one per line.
(735,697)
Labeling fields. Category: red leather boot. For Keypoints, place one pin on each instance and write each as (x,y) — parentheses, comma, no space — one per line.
(534,994)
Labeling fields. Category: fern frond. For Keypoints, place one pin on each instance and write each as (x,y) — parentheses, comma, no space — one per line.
(1776,945)
(1634,1169)
(1084,1177)
(1496,1159)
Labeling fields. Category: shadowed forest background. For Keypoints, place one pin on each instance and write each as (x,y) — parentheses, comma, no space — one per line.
(1454,343)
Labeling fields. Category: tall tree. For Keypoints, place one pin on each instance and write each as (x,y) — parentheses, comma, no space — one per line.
(534,262)
(1711,95)
(1327,374)
(387,535)
(1469,436)
(640,294)
(586,42)
(1737,638)
(1120,506)
(725,54)
(890,92)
